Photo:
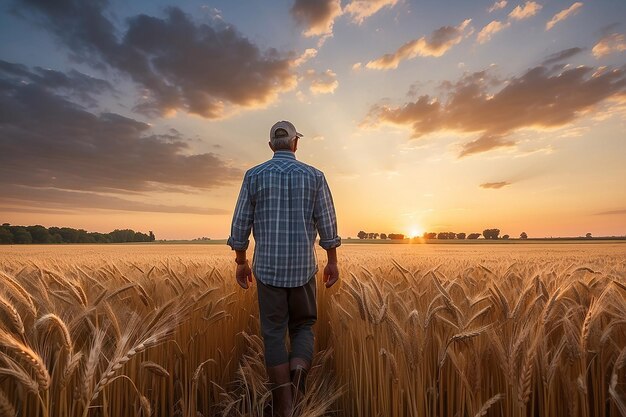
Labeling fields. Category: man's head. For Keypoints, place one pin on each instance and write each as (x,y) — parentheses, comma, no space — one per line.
(284,136)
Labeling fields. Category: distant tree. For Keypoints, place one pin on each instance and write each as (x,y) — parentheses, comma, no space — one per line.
(152,237)
(505,237)
(69,235)
(141,237)
(446,235)
(376,235)
(362,235)
(5,235)
(21,235)
(431,235)
(460,236)
(370,235)
(39,234)
(122,236)
(523,235)
(473,236)
(396,236)
(491,233)
(100,237)
(383,236)
(588,235)
(6,224)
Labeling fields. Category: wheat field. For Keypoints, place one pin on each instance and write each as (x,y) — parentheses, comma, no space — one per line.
(410,330)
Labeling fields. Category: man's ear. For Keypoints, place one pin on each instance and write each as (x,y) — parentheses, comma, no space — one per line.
(271,146)
(295,144)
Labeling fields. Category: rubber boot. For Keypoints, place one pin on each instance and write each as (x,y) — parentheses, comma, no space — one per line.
(280,384)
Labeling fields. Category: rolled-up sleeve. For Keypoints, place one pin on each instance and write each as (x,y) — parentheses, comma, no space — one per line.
(242,218)
(325,217)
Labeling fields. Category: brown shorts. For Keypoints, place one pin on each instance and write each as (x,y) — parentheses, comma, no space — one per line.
(282,309)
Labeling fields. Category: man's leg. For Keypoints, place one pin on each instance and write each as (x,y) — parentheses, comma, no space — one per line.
(274,317)
(302,315)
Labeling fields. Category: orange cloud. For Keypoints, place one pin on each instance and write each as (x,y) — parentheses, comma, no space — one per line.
(614,42)
(322,83)
(306,55)
(490,29)
(529,9)
(318,17)
(564,14)
(497,6)
(362,9)
(439,42)
(495,185)
(538,99)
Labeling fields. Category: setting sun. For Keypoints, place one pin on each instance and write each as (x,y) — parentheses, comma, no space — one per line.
(415,232)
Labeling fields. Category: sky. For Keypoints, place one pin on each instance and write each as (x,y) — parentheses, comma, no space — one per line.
(430,116)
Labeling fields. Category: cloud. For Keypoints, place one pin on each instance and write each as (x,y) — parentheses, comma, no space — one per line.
(541,98)
(529,9)
(497,6)
(615,42)
(357,66)
(178,64)
(317,16)
(490,29)
(55,198)
(564,14)
(611,212)
(362,9)
(439,42)
(495,185)
(50,141)
(306,55)
(74,84)
(485,143)
(561,55)
(323,82)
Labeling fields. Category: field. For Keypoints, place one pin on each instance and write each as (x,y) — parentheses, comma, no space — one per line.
(410,330)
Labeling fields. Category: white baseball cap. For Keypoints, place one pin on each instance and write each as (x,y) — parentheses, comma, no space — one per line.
(284,129)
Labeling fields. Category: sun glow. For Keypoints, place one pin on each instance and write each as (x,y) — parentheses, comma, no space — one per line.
(415,232)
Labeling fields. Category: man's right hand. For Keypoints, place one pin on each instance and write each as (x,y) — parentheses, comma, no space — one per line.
(243,275)
(331,274)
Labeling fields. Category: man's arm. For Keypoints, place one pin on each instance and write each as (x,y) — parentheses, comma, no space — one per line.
(326,222)
(241,227)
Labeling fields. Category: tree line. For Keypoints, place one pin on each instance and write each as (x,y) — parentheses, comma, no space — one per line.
(487,234)
(39,234)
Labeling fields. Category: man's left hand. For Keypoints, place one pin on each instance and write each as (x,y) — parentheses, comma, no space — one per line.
(244,275)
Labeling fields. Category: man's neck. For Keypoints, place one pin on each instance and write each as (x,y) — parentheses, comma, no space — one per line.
(281,153)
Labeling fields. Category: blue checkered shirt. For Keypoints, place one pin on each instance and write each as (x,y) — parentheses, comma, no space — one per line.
(285,203)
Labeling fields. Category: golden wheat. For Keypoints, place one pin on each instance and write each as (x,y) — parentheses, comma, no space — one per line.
(408,331)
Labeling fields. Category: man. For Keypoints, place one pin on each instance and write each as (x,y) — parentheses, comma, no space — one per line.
(285,203)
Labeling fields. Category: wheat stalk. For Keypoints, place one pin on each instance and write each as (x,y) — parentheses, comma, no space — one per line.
(6,408)
(30,356)
(155,368)
(487,405)
(60,325)
(14,316)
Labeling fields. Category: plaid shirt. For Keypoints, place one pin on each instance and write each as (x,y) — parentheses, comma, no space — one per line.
(286,203)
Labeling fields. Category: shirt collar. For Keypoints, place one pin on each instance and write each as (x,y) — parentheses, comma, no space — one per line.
(284,155)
